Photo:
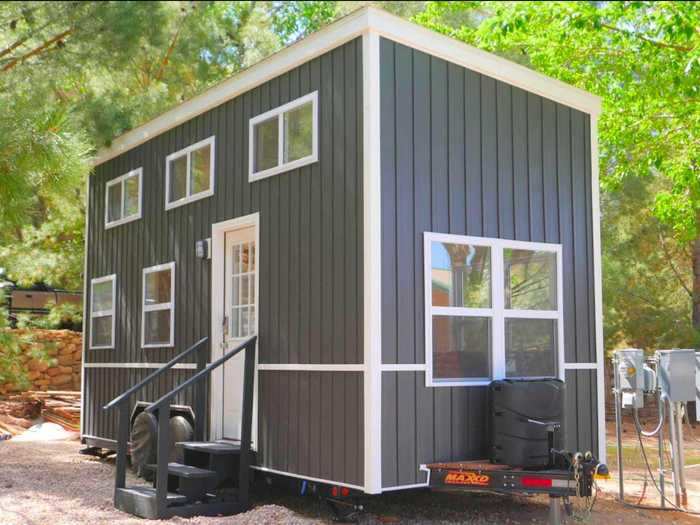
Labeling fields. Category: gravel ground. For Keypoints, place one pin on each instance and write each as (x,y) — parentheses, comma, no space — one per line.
(50,483)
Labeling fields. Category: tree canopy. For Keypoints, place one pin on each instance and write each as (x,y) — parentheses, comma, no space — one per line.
(74,75)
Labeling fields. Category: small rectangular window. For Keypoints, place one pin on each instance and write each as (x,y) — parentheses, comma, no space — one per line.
(157,327)
(493,309)
(284,138)
(102,307)
(189,174)
(123,199)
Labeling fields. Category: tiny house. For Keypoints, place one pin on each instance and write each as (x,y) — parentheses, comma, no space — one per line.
(400,218)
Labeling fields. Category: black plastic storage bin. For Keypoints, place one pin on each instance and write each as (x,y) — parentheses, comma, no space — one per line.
(522,414)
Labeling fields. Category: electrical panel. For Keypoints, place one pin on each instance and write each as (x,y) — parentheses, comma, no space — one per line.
(676,374)
(630,367)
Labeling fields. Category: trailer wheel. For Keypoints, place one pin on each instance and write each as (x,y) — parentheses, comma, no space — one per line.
(180,430)
(143,442)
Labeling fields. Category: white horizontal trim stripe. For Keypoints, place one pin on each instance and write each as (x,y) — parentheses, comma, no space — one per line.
(312,367)
(336,34)
(309,478)
(179,366)
(414,367)
(580,366)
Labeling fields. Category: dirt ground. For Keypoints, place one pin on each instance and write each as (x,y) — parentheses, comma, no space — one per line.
(50,483)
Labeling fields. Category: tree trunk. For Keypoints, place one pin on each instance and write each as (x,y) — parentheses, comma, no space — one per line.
(696,283)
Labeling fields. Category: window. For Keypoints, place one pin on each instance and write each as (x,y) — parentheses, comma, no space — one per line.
(123,199)
(102,299)
(157,323)
(284,138)
(189,174)
(493,309)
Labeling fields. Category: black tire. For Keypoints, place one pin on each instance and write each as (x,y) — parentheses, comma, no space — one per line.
(180,430)
(144,432)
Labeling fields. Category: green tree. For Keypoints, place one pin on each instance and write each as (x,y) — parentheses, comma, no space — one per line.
(643,59)
(73,75)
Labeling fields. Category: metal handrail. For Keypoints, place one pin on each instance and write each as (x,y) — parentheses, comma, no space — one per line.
(138,386)
(199,375)
(162,406)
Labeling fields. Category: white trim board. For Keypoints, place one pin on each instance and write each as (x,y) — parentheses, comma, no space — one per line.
(300,367)
(372,264)
(353,25)
(598,288)
(85,317)
(178,366)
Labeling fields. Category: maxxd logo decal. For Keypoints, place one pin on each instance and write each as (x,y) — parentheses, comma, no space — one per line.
(474,479)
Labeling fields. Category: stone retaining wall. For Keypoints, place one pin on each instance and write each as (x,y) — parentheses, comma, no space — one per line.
(61,370)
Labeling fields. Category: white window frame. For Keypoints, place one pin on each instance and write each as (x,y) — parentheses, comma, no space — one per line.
(160,306)
(103,313)
(189,197)
(498,313)
(138,172)
(279,113)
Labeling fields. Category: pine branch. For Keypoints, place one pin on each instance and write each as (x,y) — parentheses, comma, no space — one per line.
(37,50)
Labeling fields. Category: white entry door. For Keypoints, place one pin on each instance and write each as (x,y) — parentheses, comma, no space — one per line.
(240,320)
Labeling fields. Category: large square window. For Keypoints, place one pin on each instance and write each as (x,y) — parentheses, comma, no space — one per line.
(158,306)
(284,138)
(492,309)
(189,174)
(123,199)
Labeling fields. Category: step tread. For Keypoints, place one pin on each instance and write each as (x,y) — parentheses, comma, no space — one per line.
(211,447)
(186,471)
(150,492)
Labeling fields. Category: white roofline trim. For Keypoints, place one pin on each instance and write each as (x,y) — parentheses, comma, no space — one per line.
(336,34)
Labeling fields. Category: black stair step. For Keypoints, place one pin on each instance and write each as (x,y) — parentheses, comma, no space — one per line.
(211,447)
(186,471)
(149,493)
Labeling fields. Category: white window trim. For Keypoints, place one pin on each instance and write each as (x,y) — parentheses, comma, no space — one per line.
(160,306)
(138,172)
(497,312)
(211,141)
(103,313)
(279,113)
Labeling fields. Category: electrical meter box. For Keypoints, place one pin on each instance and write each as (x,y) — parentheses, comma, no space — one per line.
(676,374)
(630,368)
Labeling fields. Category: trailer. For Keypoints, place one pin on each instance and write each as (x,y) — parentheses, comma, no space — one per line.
(387,220)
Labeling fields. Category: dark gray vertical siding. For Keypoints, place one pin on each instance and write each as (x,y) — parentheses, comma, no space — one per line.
(310,274)
(465,153)
(334,451)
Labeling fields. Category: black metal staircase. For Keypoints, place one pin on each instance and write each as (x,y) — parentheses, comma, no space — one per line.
(214,476)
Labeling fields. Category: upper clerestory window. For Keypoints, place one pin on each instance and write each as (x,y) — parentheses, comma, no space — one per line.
(284,138)
(123,199)
(189,174)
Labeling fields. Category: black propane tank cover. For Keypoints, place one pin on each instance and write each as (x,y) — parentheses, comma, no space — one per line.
(522,414)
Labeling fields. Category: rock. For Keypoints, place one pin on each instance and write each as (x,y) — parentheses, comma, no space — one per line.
(66,350)
(54,371)
(33,374)
(65,360)
(61,379)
